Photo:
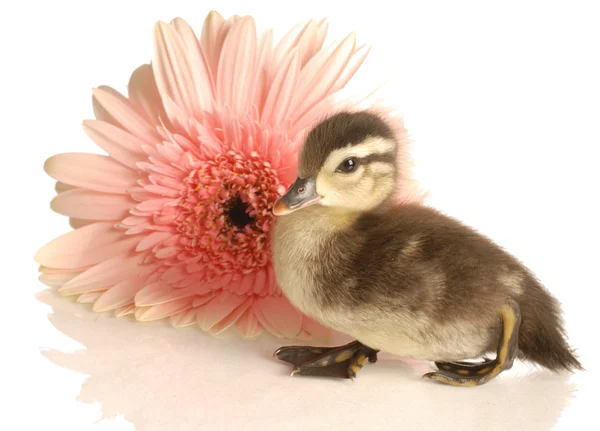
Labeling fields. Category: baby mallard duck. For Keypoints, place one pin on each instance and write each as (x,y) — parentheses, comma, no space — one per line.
(404,279)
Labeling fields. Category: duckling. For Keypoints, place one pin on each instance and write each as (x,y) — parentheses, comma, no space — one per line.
(400,278)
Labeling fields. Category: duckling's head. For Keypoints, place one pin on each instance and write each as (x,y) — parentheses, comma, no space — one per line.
(347,161)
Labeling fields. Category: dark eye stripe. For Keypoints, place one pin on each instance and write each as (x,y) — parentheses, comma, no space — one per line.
(384,157)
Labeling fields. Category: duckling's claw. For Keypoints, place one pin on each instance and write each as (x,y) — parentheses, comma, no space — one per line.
(297,355)
(341,362)
(466,368)
(339,370)
(466,374)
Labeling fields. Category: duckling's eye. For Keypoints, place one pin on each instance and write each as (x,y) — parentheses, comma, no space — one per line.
(348,165)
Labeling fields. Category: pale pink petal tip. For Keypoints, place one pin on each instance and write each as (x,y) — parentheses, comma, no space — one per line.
(174,219)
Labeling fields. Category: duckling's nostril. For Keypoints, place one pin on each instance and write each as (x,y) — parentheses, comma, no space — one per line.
(301,189)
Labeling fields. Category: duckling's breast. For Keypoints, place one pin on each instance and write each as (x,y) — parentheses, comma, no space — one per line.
(299,246)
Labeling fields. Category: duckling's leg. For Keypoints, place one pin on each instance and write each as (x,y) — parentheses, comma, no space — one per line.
(342,362)
(464,374)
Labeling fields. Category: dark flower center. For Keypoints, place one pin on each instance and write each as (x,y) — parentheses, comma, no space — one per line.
(237,213)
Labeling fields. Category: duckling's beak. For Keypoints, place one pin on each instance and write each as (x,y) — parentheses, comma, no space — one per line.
(301,194)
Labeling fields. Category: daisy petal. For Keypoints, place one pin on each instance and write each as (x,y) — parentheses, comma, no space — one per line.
(85,246)
(357,60)
(120,295)
(88,297)
(161,292)
(320,74)
(211,40)
(76,223)
(124,311)
(248,325)
(151,240)
(282,90)
(239,53)
(157,312)
(62,187)
(173,73)
(196,62)
(120,145)
(130,117)
(315,329)
(278,311)
(232,317)
(57,279)
(257,312)
(217,309)
(143,93)
(102,275)
(184,318)
(90,171)
(91,205)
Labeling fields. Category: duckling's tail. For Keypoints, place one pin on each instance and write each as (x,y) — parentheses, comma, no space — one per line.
(542,336)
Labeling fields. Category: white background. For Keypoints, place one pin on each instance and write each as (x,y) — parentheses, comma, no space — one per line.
(503,104)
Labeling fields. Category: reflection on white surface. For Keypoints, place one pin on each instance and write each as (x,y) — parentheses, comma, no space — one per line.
(161,378)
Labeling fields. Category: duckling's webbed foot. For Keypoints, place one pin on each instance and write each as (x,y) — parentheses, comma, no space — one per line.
(341,362)
(474,374)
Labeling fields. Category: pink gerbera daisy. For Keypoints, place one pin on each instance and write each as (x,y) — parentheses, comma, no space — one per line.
(176,220)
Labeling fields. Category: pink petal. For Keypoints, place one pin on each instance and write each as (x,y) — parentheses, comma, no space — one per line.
(303,335)
(243,286)
(212,39)
(282,90)
(357,60)
(145,296)
(103,275)
(167,252)
(120,295)
(184,318)
(57,279)
(306,41)
(321,73)
(248,325)
(260,282)
(120,145)
(125,310)
(278,311)
(127,115)
(91,205)
(151,240)
(154,204)
(85,246)
(315,329)
(157,312)
(286,44)
(203,299)
(62,187)
(89,297)
(161,292)
(173,73)
(163,191)
(76,223)
(257,312)
(217,309)
(239,54)
(90,171)
(263,69)
(196,62)
(232,317)
(100,111)
(143,93)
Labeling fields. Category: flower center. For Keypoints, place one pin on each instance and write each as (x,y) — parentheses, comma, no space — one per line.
(225,212)
(237,213)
